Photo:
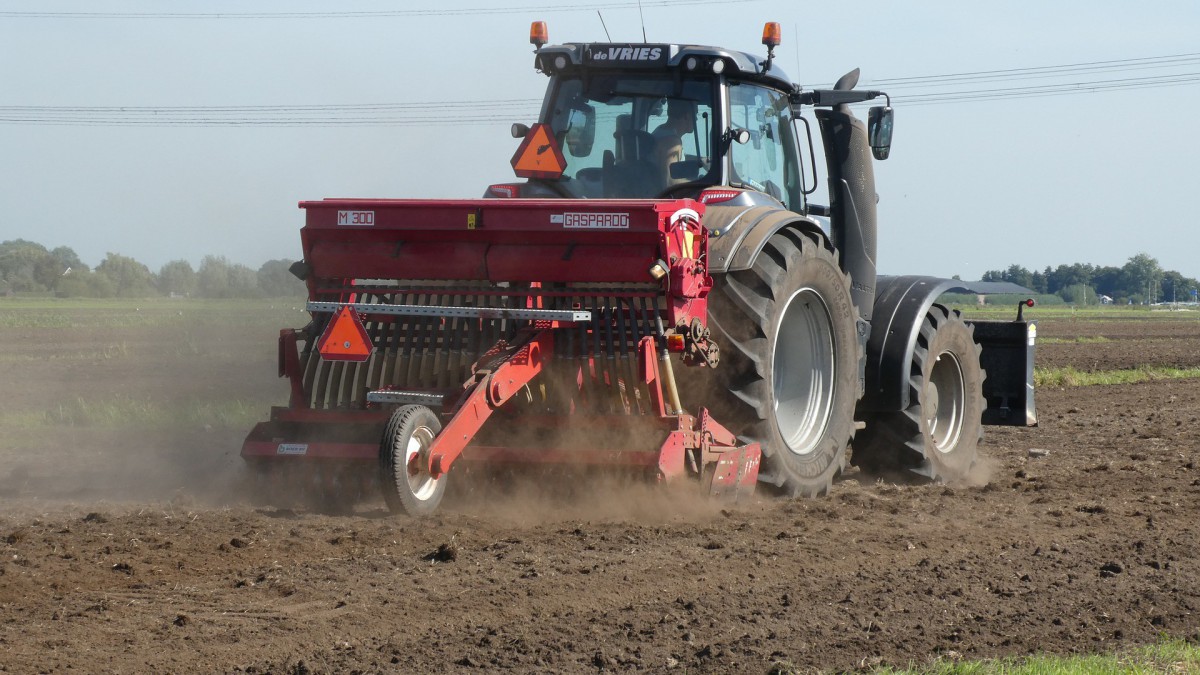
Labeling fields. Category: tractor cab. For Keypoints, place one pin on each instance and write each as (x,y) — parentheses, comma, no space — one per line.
(645,121)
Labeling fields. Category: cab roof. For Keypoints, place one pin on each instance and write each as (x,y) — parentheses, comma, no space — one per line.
(638,55)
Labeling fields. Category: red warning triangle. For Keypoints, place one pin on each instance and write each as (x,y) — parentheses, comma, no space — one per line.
(539,155)
(344,338)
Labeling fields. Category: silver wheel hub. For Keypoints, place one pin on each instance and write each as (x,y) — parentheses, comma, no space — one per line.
(942,402)
(416,460)
(803,371)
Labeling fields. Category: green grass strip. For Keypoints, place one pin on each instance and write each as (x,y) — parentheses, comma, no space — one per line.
(1070,377)
(1166,656)
(1101,313)
(1081,340)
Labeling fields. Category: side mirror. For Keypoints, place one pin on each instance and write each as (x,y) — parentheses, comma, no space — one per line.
(879,131)
(581,130)
(519,130)
(742,136)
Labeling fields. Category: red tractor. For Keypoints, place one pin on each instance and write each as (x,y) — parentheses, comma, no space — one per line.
(659,294)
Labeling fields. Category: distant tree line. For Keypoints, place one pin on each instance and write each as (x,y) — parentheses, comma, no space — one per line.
(1140,281)
(29,267)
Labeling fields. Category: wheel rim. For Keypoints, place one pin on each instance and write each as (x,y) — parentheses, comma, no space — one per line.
(943,402)
(420,482)
(803,371)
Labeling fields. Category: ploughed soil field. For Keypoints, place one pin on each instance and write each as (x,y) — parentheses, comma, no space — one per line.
(128,545)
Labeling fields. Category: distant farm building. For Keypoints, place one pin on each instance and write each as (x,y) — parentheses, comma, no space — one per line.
(982,289)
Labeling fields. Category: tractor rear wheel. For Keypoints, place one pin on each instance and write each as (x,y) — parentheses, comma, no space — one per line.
(789,361)
(937,436)
(408,487)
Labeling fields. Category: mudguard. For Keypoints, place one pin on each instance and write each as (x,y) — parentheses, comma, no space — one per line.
(1007,351)
(900,307)
(738,234)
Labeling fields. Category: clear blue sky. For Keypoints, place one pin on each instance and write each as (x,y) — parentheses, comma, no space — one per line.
(970,186)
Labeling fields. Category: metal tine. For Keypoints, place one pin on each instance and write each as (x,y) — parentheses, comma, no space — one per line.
(313,362)
(393,346)
(568,355)
(343,386)
(403,346)
(647,324)
(323,373)
(589,363)
(438,343)
(421,349)
(640,390)
(474,338)
(379,342)
(355,391)
(581,359)
(611,377)
(450,338)
(429,353)
(334,386)
(604,403)
(414,346)
(461,341)
(485,339)
(454,373)
(628,374)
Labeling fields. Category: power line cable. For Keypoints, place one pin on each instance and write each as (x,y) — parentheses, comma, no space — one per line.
(362,14)
(435,113)
(1060,69)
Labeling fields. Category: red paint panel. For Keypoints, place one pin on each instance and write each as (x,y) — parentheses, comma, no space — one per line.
(398,260)
(582,264)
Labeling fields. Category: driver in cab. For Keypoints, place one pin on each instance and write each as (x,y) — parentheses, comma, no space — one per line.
(668,138)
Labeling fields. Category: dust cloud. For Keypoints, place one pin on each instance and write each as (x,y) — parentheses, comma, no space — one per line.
(133,404)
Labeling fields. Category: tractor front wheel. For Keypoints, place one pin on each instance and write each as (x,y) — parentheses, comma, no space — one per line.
(408,487)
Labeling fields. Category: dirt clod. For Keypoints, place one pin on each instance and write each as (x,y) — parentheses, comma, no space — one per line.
(444,553)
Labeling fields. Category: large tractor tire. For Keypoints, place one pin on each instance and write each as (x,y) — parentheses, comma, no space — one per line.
(788,375)
(937,437)
(408,487)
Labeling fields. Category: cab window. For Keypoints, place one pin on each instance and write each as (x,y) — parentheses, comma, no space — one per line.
(632,135)
(768,161)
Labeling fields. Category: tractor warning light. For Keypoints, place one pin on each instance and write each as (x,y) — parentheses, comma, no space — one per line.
(771,34)
(538,34)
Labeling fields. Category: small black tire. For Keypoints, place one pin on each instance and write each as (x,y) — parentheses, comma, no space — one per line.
(788,377)
(408,487)
(937,436)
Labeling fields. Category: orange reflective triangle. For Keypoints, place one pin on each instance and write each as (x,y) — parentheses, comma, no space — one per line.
(539,155)
(344,338)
